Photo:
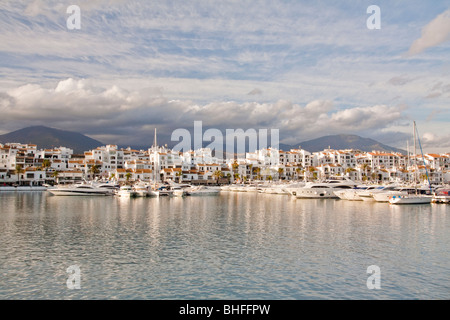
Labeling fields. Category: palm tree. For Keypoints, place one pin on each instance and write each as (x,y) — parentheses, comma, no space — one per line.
(269,178)
(218,174)
(46,164)
(257,170)
(94,170)
(250,166)
(113,176)
(366,168)
(235,166)
(280,172)
(128,176)
(179,174)
(55,175)
(312,171)
(19,171)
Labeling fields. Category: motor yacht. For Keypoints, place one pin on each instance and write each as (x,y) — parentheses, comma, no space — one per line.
(354,193)
(324,189)
(385,194)
(442,195)
(127,191)
(178,191)
(79,190)
(202,191)
(141,189)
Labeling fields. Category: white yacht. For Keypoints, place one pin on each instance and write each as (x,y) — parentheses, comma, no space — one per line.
(202,191)
(442,195)
(368,195)
(111,187)
(354,193)
(141,189)
(411,199)
(178,191)
(126,192)
(274,189)
(324,189)
(79,190)
(385,194)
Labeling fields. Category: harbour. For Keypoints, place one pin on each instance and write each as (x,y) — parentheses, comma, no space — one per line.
(236,245)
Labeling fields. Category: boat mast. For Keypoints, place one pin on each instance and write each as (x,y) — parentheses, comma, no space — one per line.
(415,158)
(424,164)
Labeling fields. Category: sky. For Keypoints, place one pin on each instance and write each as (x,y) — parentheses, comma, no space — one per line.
(306,68)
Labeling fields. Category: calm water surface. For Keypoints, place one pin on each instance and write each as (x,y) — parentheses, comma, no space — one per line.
(232,246)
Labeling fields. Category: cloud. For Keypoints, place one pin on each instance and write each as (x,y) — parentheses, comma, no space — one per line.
(431,140)
(129,116)
(433,34)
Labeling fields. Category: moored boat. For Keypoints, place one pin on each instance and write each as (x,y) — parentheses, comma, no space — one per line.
(441,196)
(79,190)
(126,192)
(202,191)
(323,190)
(411,199)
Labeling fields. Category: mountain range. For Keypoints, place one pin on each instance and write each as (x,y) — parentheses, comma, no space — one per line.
(45,138)
(343,141)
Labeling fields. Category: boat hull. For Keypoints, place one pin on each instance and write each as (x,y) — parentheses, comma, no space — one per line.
(312,193)
(77,193)
(410,200)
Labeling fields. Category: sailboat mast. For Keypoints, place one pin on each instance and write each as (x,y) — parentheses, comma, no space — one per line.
(415,155)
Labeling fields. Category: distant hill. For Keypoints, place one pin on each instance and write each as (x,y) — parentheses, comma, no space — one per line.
(46,138)
(346,141)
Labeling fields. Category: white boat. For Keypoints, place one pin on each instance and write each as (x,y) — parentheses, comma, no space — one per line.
(141,189)
(275,189)
(110,187)
(153,193)
(352,194)
(370,193)
(178,191)
(164,191)
(202,191)
(126,192)
(441,195)
(79,190)
(411,199)
(236,187)
(292,186)
(385,194)
(323,190)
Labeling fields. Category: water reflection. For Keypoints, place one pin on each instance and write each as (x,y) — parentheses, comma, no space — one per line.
(232,246)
